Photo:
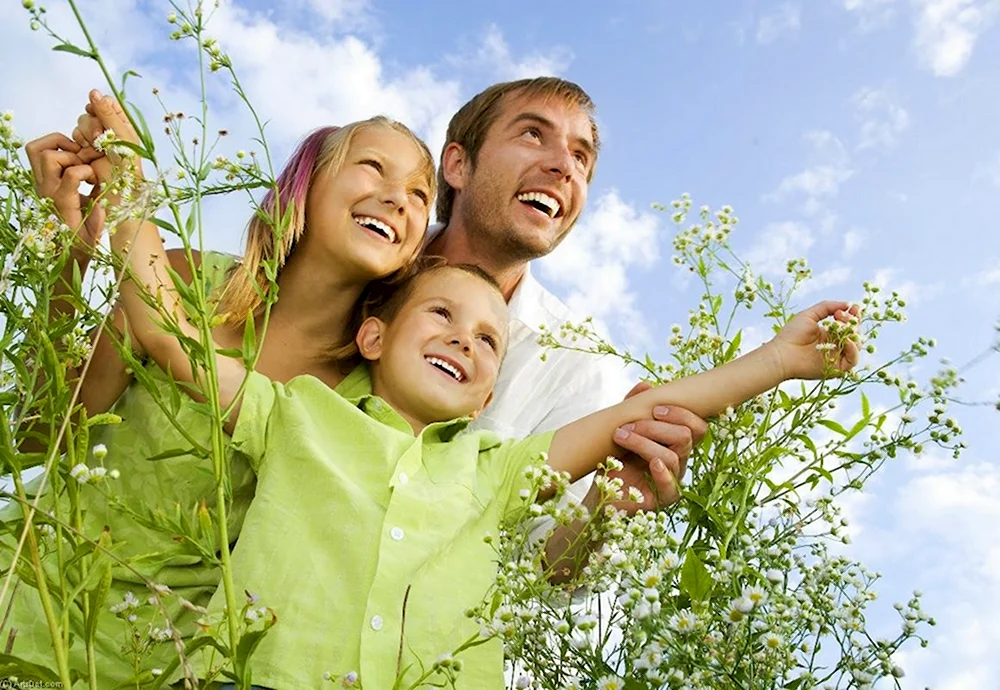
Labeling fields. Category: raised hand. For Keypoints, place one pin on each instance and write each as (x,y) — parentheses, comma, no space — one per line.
(59,165)
(806,349)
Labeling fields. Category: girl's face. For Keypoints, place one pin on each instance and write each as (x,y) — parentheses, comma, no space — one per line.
(371,215)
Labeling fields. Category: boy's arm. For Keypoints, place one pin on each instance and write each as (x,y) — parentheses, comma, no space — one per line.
(798,351)
(146,268)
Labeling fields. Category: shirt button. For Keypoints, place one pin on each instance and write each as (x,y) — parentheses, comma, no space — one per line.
(396,533)
(403,478)
(376,623)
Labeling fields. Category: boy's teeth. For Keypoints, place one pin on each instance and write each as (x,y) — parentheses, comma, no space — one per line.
(376,225)
(441,364)
(548,203)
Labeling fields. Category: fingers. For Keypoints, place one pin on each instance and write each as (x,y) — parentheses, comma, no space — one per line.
(50,142)
(650,438)
(640,387)
(680,416)
(89,155)
(667,473)
(825,309)
(51,164)
(111,116)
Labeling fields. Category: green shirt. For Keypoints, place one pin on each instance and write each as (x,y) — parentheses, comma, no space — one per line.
(143,486)
(353,516)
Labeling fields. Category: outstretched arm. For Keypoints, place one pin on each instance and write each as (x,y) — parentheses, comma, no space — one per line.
(146,274)
(798,351)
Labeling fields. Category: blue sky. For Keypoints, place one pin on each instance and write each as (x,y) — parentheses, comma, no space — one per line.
(860,133)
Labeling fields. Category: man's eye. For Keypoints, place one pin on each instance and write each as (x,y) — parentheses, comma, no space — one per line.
(582,159)
(533,133)
(373,163)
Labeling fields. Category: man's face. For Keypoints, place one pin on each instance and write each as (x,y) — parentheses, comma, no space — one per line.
(529,183)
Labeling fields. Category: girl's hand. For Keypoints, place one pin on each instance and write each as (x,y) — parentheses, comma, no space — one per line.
(58,166)
(805,349)
(104,114)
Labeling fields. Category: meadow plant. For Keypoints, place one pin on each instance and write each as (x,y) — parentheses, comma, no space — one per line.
(740,585)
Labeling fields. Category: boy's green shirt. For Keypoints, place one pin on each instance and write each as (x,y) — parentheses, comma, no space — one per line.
(366,541)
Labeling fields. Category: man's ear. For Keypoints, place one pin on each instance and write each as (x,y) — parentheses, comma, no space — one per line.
(454,165)
(369,338)
(476,413)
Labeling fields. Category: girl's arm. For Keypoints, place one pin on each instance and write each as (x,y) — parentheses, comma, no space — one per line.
(146,274)
(579,447)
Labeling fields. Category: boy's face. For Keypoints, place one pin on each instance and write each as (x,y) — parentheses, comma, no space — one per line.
(440,356)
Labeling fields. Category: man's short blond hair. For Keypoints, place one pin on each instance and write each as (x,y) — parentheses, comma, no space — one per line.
(472,122)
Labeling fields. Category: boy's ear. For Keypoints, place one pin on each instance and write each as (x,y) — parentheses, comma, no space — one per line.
(369,338)
(476,413)
(454,165)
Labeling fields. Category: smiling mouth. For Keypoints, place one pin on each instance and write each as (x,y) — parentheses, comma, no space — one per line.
(447,367)
(376,226)
(541,201)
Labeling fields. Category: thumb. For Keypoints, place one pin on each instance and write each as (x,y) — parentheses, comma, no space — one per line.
(112,116)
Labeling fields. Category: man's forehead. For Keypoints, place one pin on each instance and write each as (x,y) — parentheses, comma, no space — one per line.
(558,109)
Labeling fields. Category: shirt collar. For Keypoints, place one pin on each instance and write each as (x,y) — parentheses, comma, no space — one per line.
(356,389)
(525,305)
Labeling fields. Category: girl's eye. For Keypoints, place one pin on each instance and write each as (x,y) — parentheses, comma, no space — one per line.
(441,311)
(422,195)
(373,163)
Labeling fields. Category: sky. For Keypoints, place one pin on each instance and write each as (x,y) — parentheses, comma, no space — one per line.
(861,134)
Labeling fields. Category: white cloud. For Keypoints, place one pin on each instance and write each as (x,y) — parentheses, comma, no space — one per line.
(778,243)
(887,279)
(882,120)
(989,172)
(838,275)
(984,278)
(854,239)
(945,524)
(786,19)
(494,55)
(821,181)
(947,31)
(871,14)
(594,262)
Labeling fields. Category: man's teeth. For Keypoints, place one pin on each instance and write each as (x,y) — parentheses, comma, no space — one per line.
(376,225)
(450,368)
(550,205)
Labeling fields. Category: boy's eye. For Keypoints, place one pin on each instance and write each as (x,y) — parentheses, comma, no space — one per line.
(373,163)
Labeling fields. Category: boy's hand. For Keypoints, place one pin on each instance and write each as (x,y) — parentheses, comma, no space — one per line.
(805,349)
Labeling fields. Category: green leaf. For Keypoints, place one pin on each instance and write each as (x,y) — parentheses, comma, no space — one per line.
(172,453)
(70,48)
(834,426)
(11,666)
(695,578)
(249,338)
(734,347)
(144,135)
(104,418)
(159,222)
(866,410)
(233,352)
(128,73)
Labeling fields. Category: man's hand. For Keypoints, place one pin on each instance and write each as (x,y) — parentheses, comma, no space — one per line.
(658,450)
(59,165)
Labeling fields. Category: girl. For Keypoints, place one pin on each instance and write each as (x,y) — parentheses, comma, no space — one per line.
(342,236)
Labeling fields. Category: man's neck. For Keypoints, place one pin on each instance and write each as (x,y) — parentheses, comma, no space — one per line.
(454,243)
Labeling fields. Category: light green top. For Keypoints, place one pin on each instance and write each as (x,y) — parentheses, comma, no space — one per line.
(143,486)
(353,515)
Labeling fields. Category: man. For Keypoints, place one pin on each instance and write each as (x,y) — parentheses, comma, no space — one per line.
(513,179)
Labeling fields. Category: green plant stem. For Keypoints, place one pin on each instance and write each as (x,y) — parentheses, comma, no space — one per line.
(61,652)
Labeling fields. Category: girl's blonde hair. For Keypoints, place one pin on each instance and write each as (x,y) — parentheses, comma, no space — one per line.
(325,149)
